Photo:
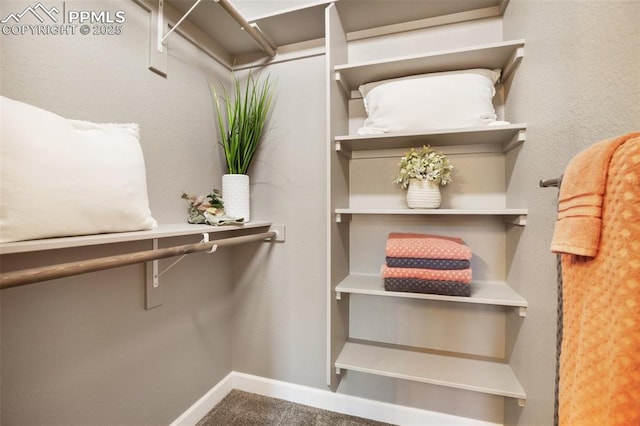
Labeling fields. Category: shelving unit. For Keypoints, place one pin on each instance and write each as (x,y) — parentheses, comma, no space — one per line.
(467,371)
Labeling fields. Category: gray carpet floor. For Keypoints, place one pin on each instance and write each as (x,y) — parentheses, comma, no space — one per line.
(247,409)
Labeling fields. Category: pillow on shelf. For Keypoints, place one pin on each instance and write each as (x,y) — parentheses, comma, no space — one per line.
(442,100)
(63,177)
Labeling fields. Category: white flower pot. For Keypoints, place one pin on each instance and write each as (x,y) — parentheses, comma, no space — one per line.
(235,194)
(423,194)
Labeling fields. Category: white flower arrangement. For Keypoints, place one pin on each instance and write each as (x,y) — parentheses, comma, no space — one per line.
(424,164)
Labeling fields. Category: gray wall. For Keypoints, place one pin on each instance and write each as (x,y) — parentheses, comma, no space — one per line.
(279,305)
(578,84)
(84,350)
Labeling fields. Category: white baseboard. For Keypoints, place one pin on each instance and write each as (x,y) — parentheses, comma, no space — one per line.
(201,407)
(324,399)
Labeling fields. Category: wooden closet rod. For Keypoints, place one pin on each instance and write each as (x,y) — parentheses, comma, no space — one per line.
(33,275)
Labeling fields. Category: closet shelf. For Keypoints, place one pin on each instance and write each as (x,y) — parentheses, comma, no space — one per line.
(491,377)
(502,55)
(162,231)
(305,23)
(482,292)
(506,137)
(514,216)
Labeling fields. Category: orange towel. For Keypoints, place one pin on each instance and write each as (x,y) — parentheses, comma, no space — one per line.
(457,275)
(581,194)
(599,374)
(424,246)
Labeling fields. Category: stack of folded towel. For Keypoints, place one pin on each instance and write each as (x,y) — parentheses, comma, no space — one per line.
(423,263)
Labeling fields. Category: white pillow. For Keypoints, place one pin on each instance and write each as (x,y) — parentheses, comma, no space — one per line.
(440,100)
(64,177)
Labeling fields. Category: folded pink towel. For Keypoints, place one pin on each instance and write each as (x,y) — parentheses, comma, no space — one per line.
(457,275)
(423,246)
(419,235)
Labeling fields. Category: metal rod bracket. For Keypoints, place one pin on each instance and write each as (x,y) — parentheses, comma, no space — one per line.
(153,292)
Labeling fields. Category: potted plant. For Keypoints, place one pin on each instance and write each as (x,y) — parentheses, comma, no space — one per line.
(242,115)
(422,172)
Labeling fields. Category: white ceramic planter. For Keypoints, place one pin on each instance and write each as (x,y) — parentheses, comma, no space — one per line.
(423,194)
(235,194)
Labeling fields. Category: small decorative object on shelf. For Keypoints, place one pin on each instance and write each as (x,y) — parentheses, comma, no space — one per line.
(242,115)
(209,209)
(423,171)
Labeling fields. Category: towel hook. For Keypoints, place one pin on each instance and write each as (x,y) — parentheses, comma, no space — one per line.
(546,183)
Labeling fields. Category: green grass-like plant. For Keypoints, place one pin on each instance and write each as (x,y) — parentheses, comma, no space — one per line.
(242,115)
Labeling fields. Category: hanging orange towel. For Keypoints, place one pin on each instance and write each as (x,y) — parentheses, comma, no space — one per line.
(599,370)
(581,194)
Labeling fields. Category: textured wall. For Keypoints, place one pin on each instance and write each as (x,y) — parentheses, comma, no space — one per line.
(280,304)
(578,84)
(84,350)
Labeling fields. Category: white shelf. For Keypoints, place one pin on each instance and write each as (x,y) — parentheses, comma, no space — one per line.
(500,55)
(491,377)
(294,25)
(358,16)
(484,293)
(506,136)
(162,231)
(304,23)
(471,212)
(514,216)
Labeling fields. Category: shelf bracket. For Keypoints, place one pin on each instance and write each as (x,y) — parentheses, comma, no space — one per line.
(158,59)
(338,371)
(343,86)
(513,61)
(522,402)
(518,220)
(153,291)
(340,217)
(522,311)
(161,36)
(338,295)
(518,139)
(342,150)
